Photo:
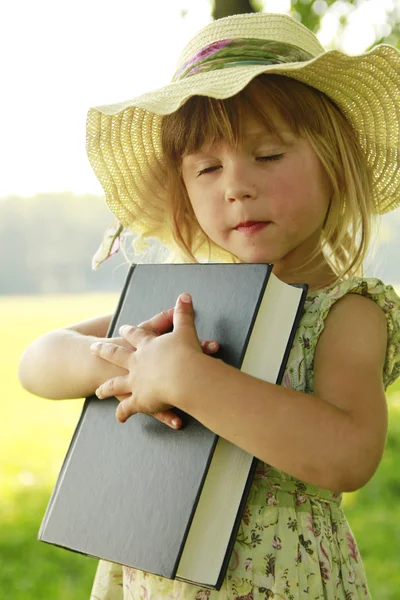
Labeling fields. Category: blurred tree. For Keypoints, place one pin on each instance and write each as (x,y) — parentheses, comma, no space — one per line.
(310,13)
(393,23)
(224,8)
(47,241)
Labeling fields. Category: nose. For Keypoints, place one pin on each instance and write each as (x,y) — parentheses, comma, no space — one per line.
(238,183)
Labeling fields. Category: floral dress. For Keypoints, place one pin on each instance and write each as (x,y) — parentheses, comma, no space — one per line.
(294,542)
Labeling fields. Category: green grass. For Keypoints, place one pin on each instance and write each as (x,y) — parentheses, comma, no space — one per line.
(374,514)
(34,438)
(34,570)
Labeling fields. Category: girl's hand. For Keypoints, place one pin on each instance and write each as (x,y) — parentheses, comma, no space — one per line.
(151,356)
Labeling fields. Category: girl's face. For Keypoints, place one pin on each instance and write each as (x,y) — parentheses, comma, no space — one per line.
(264,201)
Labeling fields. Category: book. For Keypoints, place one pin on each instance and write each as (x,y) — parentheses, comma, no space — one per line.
(167,501)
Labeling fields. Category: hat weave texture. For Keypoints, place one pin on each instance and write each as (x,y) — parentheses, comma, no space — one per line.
(123,140)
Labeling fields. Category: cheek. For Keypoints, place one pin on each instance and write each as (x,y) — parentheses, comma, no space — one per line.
(206,217)
(199,209)
(204,206)
(303,196)
(285,198)
(196,204)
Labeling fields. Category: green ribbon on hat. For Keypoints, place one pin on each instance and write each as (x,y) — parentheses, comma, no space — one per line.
(239,52)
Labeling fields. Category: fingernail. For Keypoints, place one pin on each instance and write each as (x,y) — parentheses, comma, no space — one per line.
(175,422)
(98,393)
(186,298)
(212,345)
(95,346)
(123,328)
(119,416)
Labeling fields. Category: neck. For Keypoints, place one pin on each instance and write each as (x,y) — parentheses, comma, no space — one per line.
(317,274)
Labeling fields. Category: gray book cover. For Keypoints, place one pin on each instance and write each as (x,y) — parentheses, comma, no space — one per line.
(128,492)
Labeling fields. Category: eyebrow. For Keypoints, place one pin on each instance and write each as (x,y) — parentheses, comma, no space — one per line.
(283,136)
(262,134)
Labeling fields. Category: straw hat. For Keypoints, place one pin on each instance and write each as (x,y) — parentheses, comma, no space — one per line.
(123,140)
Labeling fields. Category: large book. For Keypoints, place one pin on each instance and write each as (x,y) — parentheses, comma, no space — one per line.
(170,501)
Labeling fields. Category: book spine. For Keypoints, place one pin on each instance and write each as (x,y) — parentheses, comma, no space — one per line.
(195,505)
(267,274)
(296,322)
(236,525)
(235,529)
(253,467)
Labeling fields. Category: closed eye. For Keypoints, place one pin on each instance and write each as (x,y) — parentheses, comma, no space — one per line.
(259,158)
(208,170)
(269,158)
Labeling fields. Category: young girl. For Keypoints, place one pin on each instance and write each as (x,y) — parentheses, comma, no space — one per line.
(264,148)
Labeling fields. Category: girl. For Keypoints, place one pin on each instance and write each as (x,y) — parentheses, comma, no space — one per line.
(264,148)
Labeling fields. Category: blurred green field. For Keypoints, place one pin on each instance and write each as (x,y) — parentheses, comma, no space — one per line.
(34,438)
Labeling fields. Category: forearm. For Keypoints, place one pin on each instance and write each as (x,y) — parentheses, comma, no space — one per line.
(293,431)
(60,365)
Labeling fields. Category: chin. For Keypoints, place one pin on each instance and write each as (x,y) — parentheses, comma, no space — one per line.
(255,257)
(257,254)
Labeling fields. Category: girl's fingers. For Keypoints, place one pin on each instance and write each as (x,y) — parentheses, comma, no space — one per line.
(161,323)
(117,386)
(183,316)
(209,346)
(112,353)
(133,334)
(169,418)
(125,410)
(121,397)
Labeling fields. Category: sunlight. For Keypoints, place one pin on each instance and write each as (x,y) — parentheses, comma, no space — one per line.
(65,57)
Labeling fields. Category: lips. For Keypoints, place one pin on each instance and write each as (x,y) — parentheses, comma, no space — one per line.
(251,226)
(248,224)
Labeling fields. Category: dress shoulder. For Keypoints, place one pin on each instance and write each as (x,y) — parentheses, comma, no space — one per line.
(320,302)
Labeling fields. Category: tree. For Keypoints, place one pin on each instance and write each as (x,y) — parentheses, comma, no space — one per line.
(310,13)
(224,8)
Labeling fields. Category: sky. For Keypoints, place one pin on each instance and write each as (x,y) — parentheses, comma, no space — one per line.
(60,57)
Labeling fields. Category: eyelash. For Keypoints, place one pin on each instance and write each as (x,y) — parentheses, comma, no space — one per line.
(207,170)
(272,157)
(259,158)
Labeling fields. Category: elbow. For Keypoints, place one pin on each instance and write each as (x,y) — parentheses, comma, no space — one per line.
(26,372)
(349,472)
(352,484)
(343,480)
(359,470)
(360,460)
(23,371)
(356,479)
(30,370)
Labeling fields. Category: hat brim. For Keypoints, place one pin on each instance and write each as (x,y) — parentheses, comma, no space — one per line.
(123,140)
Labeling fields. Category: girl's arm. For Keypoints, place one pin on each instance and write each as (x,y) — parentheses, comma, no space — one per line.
(334,439)
(59,364)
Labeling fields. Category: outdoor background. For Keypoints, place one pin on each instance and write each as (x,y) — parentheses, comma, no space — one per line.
(59,58)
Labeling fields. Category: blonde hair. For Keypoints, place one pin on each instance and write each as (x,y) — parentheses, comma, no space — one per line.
(309,114)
